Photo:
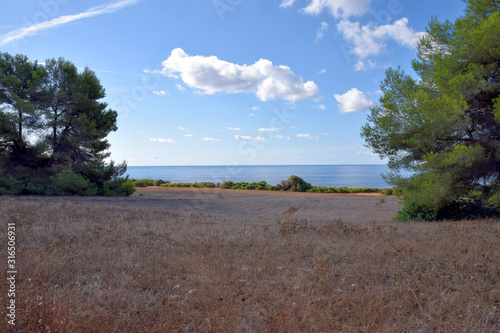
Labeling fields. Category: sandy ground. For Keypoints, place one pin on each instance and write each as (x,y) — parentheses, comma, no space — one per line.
(244,204)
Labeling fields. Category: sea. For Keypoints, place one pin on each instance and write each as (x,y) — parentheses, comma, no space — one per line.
(319,175)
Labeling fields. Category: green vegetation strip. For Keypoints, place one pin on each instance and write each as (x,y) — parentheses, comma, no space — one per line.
(294,184)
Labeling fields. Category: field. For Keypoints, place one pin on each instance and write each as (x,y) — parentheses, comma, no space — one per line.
(210,260)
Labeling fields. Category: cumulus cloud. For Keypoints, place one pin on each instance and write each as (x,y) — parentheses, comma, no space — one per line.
(249,138)
(321,107)
(368,40)
(281,137)
(234,129)
(189,135)
(337,8)
(255,108)
(159,92)
(160,140)
(207,139)
(353,101)
(211,75)
(321,31)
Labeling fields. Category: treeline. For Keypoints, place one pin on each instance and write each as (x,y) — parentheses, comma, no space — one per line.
(294,184)
(53,129)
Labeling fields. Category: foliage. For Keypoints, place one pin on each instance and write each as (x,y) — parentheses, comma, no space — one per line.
(67,182)
(53,130)
(444,126)
(295,184)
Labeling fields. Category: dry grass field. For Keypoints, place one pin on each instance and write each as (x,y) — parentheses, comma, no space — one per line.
(184,260)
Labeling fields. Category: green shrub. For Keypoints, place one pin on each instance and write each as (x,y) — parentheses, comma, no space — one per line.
(69,183)
(140,183)
(159,182)
(120,187)
(203,185)
(295,184)
(227,185)
(11,186)
(412,211)
(386,191)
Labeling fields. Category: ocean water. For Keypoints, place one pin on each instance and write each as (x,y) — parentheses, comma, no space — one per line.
(319,175)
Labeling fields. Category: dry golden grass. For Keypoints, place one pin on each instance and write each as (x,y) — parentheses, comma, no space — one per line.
(95,265)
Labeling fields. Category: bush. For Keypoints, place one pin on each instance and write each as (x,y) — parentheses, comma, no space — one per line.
(120,187)
(227,185)
(414,212)
(203,185)
(11,186)
(386,191)
(458,209)
(159,182)
(295,184)
(67,182)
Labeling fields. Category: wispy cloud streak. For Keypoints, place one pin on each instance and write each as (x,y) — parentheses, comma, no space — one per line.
(35,28)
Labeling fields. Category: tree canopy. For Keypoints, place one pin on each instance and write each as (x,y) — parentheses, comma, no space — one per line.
(53,129)
(445,125)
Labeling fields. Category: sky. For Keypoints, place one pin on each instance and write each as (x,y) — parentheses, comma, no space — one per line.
(230,82)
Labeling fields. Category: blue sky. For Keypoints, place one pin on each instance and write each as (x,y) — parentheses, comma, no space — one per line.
(216,82)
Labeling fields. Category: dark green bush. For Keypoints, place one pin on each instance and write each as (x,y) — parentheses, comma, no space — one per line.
(159,182)
(295,184)
(140,183)
(415,212)
(69,183)
(226,185)
(119,187)
(458,209)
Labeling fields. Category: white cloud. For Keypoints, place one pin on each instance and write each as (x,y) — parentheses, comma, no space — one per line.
(162,140)
(353,101)
(211,75)
(364,65)
(281,137)
(249,138)
(234,129)
(368,40)
(306,136)
(321,107)
(272,129)
(189,135)
(179,87)
(338,8)
(323,71)
(182,128)
(251,115)
(159,92)
(321,31)
(255,108)
(287,3)
(35,28)
(206,139)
